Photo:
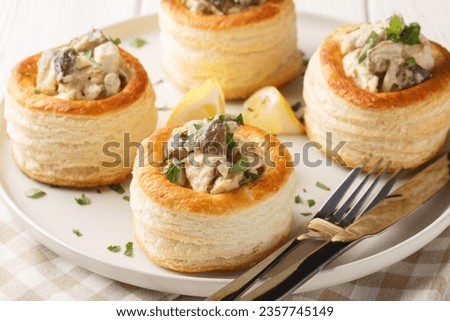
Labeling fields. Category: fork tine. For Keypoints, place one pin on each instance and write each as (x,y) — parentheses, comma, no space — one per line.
(332,202)
(337,216)
(355,212)
(384,190)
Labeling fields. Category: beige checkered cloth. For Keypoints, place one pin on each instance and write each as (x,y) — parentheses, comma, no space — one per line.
(29,271)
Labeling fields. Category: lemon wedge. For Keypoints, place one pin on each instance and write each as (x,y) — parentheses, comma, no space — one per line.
(204,101)
(269,110)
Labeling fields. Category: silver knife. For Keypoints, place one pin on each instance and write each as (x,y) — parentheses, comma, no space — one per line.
(430,183)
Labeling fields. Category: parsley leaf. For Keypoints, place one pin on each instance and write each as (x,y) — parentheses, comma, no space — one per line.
(306,213)
(371,41)
(241,165)
(311,202)
(412,34)
(117,188)
(322,186)
(35,193)
(297,199)
(240,120)
(83,200)
(126,198)
(138,42)
(250,177)
(128,249)
(410,61)
(117,41)
(395,28)
(37,91)
(114,248)
(77,232)
(173,173)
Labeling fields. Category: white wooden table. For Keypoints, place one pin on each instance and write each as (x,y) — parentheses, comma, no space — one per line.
(29,26)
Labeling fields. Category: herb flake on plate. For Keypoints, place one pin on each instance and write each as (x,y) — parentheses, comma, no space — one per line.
(126,198)
(77,232)
(322,186)
(311,202)
(128,249)
(138,42)
(298,199)
(117,188)
(116,41)
(306,213)
(114,248)
(83,200)
(35,193)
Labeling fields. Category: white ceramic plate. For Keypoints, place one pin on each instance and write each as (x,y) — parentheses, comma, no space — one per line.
(107,221)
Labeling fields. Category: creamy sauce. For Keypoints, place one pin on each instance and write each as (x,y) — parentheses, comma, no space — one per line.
(389,65)
(221,7)
(201,154)
(88,68)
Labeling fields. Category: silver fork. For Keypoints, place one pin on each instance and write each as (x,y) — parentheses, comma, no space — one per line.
(328,221)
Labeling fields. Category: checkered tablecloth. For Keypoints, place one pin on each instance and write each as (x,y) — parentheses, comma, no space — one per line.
(30,271)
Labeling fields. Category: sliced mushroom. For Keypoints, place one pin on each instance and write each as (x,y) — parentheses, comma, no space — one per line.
(65,62)
(409,76)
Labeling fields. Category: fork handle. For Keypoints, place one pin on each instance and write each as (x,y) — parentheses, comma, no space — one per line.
(238,286)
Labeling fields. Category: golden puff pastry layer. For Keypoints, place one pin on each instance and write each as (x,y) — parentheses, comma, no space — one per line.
(407,127)
(189,231)
(243,51)
(77,143)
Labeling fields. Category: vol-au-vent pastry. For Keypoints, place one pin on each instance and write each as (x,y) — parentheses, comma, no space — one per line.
(384,89)
(71,110)
(211,195)
(244,44)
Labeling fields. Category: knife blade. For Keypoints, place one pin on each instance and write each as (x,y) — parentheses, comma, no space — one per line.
(431,183)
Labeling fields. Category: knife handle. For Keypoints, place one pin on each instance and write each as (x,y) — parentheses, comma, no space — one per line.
(238,286)
(297,274)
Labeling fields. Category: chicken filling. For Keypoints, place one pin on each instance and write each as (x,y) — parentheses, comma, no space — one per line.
(387,56)
(208,156)
(88,68)
(221,7)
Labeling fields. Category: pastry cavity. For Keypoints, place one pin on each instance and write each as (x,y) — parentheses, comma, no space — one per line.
(88,68)
(387,56)
(221,7)
(209,157)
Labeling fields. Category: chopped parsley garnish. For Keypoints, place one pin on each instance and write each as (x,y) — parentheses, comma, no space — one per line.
(117,41)
(198,126)
(158,82)
(399,32)
(128,249)
(117,188)
(37,91)
(311,202)
(114,248)
(298,199)
(241,165)
(305,62)
(306,213)
(138,42)
(83,200)
(231,143)
(173,173)
(322,186)
(222,118)
(305,191)
(371,41)
(88,54)
(126,198)
(410,61)
(35,193)
(240,120)
(249,177)
(77,232)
